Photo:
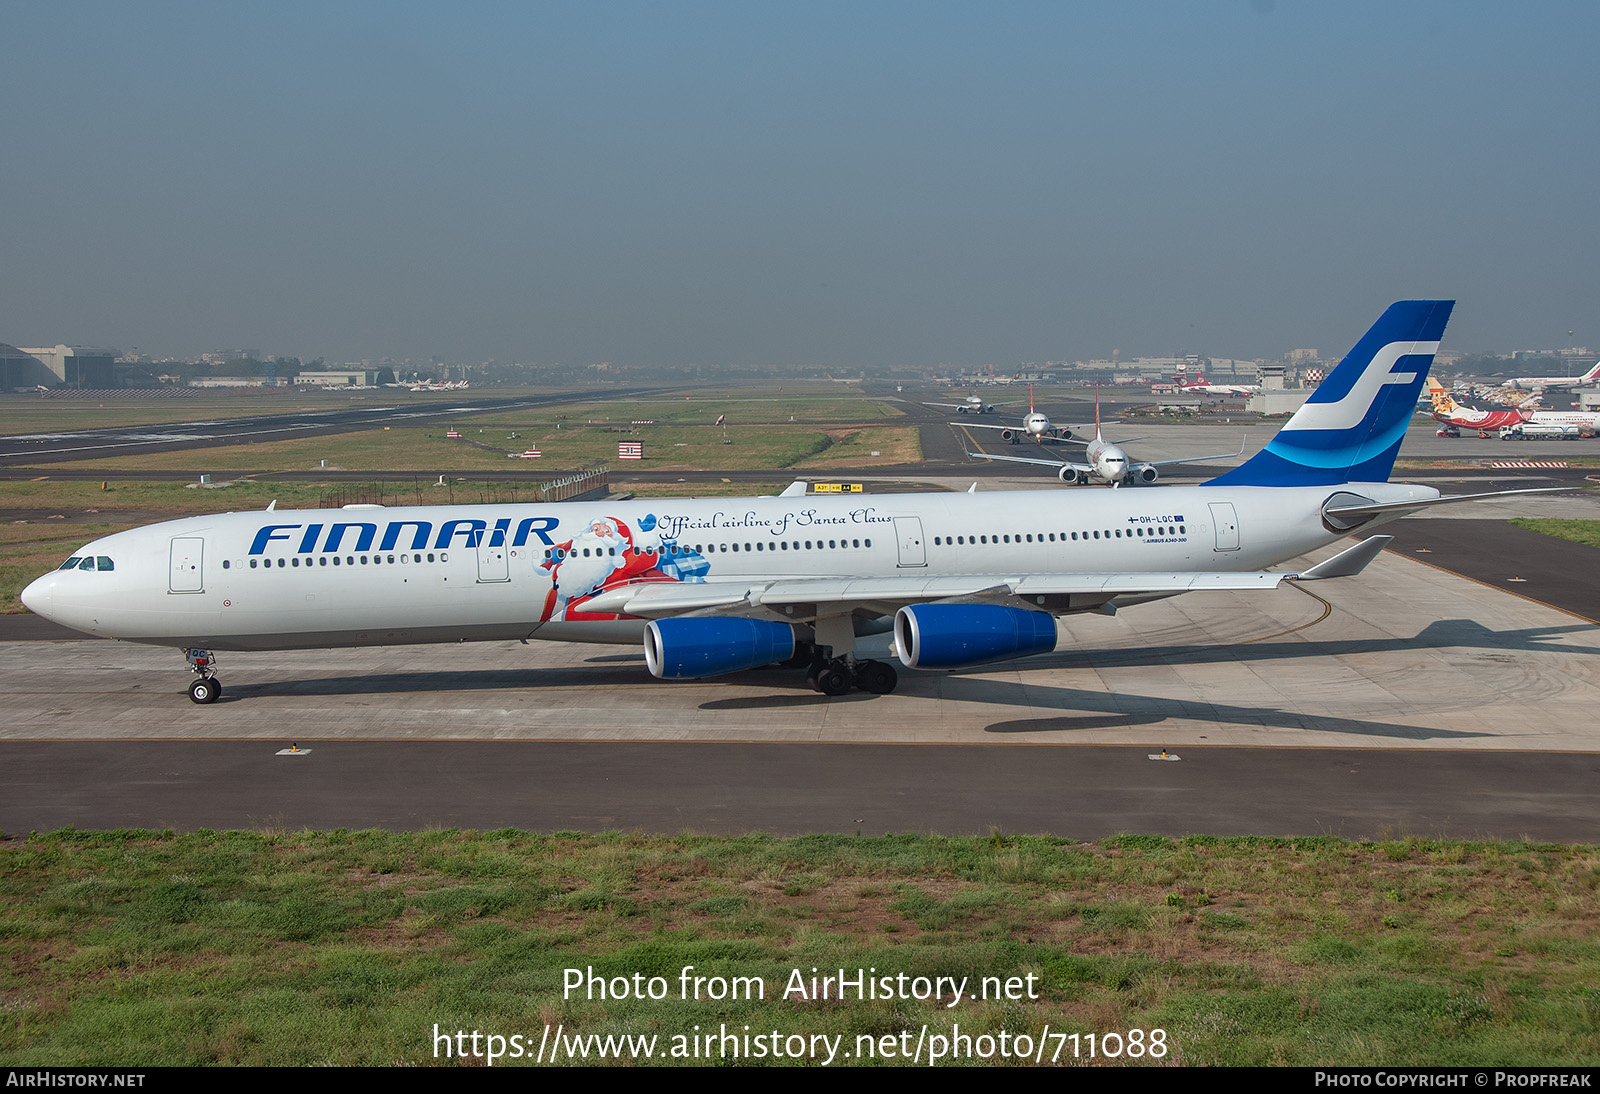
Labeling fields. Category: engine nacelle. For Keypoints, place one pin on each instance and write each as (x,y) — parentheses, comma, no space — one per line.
(688,649)
(1007,434)
(954,636)
(1075,477)
(1144,474)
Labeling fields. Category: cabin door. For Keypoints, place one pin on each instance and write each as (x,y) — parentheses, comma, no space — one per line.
(187,556)
(493,564)
(1227,525)
(908,532)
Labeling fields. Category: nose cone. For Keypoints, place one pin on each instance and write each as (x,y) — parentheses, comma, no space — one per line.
(36,597)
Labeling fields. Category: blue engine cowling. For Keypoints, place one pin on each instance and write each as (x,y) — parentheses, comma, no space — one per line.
(954,636)
(687,649)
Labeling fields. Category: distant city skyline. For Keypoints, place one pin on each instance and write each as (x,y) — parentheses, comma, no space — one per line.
(853,186)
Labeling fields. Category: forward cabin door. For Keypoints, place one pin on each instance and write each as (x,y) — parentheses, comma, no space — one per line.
(908,533)
(187,556)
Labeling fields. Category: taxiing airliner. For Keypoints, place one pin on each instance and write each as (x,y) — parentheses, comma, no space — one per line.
(1107,461)
(1035,424)
(716,586)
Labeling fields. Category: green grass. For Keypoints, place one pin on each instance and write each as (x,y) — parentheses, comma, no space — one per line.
(429,451)
(1578,531)
(131,948)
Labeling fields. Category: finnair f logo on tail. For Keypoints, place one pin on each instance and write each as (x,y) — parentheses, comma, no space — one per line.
(1350,411)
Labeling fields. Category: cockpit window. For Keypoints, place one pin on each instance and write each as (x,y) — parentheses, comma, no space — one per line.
(70,564)
(102,562)
(87,563)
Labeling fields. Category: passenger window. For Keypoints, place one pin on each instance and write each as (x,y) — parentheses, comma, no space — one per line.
(225,564)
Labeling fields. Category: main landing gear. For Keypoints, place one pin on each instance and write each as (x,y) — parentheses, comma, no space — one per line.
(206,688)
(839,675)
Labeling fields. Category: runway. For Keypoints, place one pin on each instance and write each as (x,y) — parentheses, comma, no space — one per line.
(25,450)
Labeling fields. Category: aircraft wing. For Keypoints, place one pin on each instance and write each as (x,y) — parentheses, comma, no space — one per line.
(1042,463)
(802,599)
(806,598)
(1196,459)
(986,425)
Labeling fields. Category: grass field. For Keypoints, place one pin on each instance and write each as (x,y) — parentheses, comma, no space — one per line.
(298,948)
(481,448)
(1578,531)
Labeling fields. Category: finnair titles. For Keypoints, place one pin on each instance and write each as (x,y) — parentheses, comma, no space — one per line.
(712,587)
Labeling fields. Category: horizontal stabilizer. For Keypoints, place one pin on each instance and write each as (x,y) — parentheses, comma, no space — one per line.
(1375,508)
(1349,562)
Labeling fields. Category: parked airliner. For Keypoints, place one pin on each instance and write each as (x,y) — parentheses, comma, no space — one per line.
(1590,377)
(716,586)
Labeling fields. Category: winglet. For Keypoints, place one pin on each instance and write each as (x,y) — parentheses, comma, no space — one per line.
(796,489)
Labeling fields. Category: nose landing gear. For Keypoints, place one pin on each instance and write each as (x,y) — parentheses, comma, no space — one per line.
(206,688)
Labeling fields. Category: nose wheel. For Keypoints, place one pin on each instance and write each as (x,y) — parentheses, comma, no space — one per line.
(206,688)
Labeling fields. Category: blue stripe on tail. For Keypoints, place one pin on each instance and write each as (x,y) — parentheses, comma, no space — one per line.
(1351,428)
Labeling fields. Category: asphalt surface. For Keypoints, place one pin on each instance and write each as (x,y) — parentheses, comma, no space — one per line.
(786,789)
(1552,571)
(27,450)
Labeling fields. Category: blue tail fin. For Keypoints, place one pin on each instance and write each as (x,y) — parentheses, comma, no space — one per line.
(1351,428)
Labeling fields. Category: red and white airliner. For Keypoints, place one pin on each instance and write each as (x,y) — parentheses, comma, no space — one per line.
(1452,416)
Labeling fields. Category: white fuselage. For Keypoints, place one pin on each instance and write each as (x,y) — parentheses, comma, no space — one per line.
(289,579)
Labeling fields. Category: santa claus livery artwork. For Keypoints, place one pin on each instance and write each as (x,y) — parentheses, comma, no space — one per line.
(608,553)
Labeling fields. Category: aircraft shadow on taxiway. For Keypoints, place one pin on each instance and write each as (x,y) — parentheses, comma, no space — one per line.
(1102,710)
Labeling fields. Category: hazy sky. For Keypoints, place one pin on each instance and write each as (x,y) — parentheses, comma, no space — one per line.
(845,184)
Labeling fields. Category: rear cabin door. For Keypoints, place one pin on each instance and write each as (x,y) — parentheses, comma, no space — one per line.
(1227,525)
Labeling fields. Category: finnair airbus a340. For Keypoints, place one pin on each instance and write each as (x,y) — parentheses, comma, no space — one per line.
(716,586)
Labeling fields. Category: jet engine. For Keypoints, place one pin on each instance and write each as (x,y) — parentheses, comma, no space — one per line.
(1067,474)
(1008,435)
(954,636)
(1144,474)
(688,649)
